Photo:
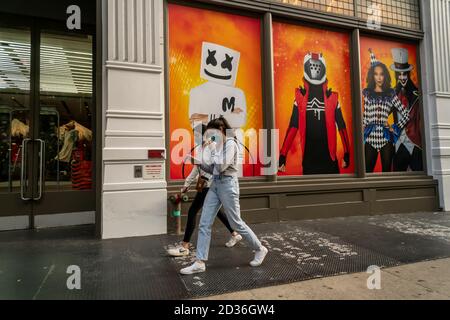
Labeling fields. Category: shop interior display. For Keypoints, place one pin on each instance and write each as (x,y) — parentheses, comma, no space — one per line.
(68,156)
(75,154)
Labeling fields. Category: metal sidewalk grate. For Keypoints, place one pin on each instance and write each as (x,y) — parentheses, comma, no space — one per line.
(34,264)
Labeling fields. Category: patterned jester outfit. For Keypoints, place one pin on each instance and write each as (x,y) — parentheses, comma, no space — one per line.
(377,108)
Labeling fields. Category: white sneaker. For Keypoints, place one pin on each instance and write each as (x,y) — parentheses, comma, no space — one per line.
(197,267)
(233,241)
(178,251)
(259,257)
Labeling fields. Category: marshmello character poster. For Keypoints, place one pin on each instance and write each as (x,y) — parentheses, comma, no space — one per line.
(219,95)
(215,69)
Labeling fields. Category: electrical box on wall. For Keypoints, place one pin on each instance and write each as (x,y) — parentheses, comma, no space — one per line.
(138,172)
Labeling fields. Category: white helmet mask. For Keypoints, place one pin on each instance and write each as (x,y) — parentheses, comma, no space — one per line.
(315,68)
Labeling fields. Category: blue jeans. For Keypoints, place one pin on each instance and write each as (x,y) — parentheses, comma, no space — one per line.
(224,192)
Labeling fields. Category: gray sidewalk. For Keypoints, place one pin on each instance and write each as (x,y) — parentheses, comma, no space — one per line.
(428,280)
(33,264)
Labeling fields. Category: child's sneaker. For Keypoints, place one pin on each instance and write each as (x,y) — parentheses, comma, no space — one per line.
(178,251)
(233,241)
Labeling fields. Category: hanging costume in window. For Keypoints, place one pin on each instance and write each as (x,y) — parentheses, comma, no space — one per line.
(19,129)
(408,149)
(316,114)
(4,142)
(12,133)
(19,132)
(379,136)
(76,153)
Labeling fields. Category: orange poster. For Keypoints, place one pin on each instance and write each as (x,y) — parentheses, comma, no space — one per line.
(313,104)
(215,70)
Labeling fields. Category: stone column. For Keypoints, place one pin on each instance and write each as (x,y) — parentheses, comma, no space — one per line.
(133,114)
(435,53)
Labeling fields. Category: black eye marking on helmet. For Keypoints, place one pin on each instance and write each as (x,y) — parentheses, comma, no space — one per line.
(227,64)
(211,60)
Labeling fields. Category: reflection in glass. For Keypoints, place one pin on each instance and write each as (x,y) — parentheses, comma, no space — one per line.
(345,7)
(15,52)
(403,13)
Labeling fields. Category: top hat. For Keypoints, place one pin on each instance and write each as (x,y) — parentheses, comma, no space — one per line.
(401,64)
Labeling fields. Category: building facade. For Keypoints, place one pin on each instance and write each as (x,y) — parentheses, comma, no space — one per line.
(99,102)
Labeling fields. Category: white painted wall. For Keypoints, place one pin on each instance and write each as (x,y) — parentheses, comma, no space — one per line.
(133,118)
(435,57)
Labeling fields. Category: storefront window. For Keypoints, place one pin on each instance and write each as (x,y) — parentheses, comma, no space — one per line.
(313,104)
(403,13)
(391,106)
(66,111)
(215,70)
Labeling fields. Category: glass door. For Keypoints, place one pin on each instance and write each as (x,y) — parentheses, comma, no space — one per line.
(16,147)
(47,116)
(66,115)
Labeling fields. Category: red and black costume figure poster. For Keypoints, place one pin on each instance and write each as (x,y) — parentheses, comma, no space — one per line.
(317,139)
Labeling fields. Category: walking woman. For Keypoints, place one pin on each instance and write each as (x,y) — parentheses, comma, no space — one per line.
(203,183)
(224,192)
(380,100)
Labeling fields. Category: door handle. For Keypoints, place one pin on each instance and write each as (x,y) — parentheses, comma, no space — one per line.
(23,172)
(41,168)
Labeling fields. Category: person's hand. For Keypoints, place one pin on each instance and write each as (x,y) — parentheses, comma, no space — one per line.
(282,164)
(212,146)
(199,117)
(387,125)
(346,161)
(193,160)
(215,149)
